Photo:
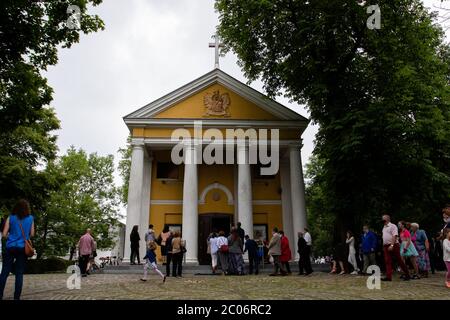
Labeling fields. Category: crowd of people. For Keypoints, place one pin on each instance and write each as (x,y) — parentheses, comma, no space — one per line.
(407,244)
(173,248)
(415,254)
(226,251)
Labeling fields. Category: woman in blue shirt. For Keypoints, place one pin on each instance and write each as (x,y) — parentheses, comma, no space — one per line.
(19,219)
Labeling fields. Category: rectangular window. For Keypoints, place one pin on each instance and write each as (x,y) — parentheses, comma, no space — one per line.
(167,170)
(256,168)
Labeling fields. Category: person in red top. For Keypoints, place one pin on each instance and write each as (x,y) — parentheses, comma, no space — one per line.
(391,248)
(286,254)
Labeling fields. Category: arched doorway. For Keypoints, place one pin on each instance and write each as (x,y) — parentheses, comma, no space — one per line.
(208,223)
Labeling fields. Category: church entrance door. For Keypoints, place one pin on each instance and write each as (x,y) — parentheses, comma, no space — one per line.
(208,223)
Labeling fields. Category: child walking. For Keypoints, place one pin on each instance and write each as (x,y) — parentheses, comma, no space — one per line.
(150,259)
(446,247)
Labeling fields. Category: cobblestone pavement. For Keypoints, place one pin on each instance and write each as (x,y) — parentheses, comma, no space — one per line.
(316,286)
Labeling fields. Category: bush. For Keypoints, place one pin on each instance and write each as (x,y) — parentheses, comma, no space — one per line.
(49,265)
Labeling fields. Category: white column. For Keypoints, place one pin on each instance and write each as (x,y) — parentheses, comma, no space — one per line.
(145,203)
(287,205)
(245,209)
(190,204)
(297,189)
(235,194)
(134,192)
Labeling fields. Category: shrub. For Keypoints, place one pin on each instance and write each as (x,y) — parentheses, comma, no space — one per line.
(48,265)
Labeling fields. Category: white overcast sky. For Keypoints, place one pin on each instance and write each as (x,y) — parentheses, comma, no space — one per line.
(148,48)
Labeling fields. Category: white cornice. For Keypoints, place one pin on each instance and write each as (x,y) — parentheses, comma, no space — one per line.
(266,202)
(166,202)
(216,123)
(180,202)
(169,142)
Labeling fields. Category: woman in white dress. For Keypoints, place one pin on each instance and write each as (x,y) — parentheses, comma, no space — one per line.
(352,252)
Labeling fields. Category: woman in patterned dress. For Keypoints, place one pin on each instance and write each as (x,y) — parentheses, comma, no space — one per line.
(420,240)
(235,258)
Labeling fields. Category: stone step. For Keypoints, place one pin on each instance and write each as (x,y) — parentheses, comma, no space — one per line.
(200,269)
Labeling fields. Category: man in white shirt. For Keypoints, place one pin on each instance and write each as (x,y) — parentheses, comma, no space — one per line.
(308,239)
(391,249)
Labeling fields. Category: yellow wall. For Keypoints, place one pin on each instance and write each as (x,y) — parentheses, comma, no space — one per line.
(193,107)
(268,189)
(222,174)
(165,189)
(285,134)
(270,215)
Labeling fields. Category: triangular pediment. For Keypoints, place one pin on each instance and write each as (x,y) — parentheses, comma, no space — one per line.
(215,95)
(216,102)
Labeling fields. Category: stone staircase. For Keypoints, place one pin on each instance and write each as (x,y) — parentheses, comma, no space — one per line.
(126,268)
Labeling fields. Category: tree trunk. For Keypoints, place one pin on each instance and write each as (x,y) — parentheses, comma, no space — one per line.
(72,252)
(44,240)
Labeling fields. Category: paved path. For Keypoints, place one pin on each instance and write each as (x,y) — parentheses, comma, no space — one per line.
(316,286)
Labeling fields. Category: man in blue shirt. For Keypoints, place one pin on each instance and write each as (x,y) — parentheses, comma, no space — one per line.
(369,246)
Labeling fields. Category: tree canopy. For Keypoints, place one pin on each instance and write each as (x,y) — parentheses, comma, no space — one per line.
(31,32)
(124,169)
(69,193)
(380,97)
(86,197)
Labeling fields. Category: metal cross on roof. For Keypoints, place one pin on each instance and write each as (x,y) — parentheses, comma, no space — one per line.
(216,45)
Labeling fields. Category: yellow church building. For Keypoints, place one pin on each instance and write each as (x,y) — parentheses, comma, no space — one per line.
(197,197)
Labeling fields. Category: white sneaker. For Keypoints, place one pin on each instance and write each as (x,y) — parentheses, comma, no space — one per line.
(354,272)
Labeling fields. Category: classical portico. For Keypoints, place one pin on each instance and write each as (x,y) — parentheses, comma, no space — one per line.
(197,198)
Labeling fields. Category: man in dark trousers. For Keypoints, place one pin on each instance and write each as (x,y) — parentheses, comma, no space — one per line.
(252,248)
(169,254)
(303,252)
(85,247)
(308,239)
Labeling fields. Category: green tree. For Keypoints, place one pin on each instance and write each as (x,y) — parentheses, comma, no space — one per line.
(30,34)
(86,198)
(319,215)
(380,97)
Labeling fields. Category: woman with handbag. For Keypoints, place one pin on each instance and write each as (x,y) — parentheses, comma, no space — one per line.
(222,244)
(18,230)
